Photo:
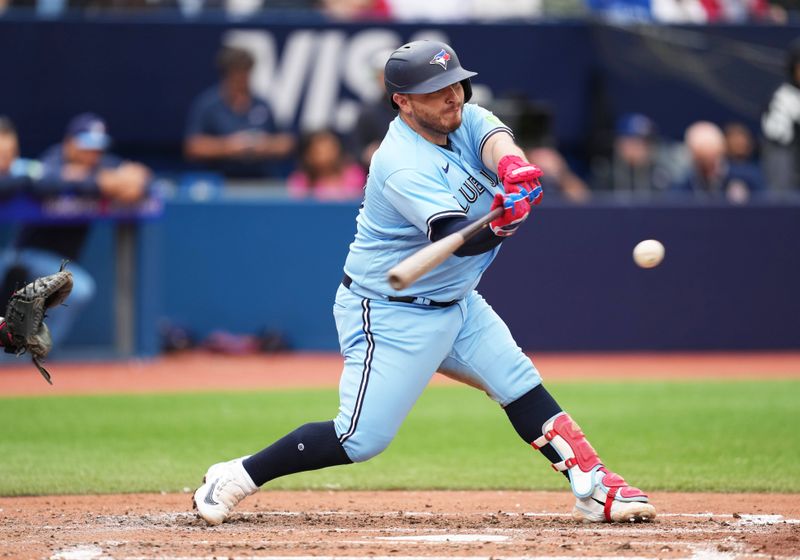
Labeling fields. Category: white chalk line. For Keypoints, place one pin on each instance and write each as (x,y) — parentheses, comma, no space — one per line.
(742,518)
(456,538)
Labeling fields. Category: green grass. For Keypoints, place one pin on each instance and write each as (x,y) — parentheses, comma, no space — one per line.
(720,436)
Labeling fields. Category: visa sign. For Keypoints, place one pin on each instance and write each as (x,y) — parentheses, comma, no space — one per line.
(320,78)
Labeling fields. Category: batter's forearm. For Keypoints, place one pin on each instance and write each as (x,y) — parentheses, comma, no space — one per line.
(498,145)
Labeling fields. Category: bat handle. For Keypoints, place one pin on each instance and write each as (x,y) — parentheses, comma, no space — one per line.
(481,223)
(409,270)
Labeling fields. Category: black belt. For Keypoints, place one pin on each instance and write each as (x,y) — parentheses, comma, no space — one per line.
(347,281)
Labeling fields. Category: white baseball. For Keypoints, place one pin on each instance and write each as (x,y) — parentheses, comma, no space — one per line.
(648,253)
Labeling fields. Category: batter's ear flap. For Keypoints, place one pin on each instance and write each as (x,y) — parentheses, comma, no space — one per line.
(467,85)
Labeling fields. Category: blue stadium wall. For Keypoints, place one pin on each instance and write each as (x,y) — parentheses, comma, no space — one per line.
(565,282)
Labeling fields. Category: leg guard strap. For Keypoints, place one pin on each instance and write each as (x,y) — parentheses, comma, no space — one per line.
(564,465)
(612,492)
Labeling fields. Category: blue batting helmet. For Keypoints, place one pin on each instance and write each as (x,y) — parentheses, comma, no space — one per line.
(425,67)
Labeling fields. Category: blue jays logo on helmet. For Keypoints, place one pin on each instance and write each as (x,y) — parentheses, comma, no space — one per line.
(441,58)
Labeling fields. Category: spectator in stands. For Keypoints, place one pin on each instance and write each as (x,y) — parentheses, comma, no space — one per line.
(532,123)
(15,176)
(558,178)
(488,10)
(740,147)
(678,11)
(424,10)
(82,164)
(621,10)
(684,11)
(11,165)
(782,10)
(780,126)
(79,165)
(711,173)
(737,11)
(9,146)
(324,172)
(230,129)
(356,9)
(640,162)
(483,10)
(374,116)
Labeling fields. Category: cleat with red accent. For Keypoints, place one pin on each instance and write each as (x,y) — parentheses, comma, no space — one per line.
(614,501)
(601,494)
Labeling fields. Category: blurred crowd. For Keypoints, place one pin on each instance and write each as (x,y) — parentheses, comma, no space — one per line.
(662,11)
(231,134)
(229,130)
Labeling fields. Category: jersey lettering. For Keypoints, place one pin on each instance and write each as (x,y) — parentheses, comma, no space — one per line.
(471,190)
(492,180)
(405,194)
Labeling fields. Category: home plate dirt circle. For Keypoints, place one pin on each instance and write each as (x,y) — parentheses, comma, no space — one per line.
(277,525)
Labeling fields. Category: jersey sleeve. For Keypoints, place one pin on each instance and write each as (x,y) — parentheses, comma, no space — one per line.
(480,125)
(421,199)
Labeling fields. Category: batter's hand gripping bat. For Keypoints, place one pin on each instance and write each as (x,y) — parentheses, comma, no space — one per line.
(426,259)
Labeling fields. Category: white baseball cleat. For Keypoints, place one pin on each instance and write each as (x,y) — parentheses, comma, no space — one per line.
(224,485)
(601,494)
(614,501)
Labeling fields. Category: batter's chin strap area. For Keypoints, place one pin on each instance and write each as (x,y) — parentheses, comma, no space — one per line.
(587,474)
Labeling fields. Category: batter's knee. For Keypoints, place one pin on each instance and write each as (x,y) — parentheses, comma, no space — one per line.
(361,447)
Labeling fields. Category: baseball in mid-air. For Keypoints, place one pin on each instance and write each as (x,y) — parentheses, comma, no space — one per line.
(648,253)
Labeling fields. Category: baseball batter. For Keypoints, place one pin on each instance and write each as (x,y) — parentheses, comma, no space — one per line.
(442,165)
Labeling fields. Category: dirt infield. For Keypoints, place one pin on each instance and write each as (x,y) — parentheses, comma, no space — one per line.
(395,524)
(409,525)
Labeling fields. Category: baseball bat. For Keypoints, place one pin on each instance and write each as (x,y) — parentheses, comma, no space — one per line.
(426,259)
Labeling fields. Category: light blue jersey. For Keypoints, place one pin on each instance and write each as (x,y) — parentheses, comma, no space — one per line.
(413,182)
(392,349)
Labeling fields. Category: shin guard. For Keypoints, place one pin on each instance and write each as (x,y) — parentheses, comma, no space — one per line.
(592,483)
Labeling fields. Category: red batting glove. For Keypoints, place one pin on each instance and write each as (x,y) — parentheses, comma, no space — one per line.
(518,175)
(517,209)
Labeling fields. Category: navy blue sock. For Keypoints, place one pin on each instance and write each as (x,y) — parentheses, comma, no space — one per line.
(529,412)
(310,447)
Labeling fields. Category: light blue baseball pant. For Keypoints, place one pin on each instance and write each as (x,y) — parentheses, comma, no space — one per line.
(391,350)
(43,263)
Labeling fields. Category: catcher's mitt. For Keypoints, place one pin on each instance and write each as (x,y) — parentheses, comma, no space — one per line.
(25,315)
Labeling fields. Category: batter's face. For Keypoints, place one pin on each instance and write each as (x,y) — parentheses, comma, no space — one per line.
(433,115)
